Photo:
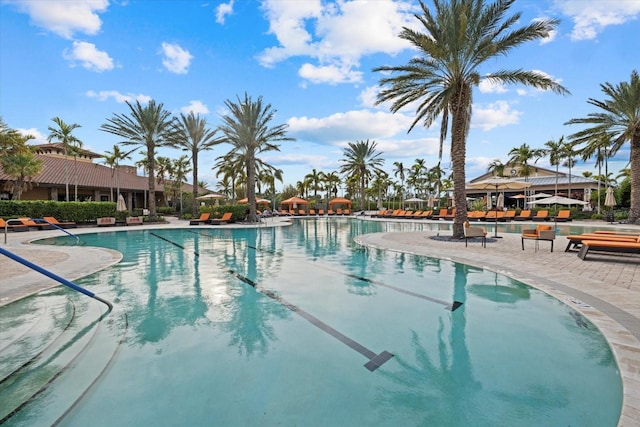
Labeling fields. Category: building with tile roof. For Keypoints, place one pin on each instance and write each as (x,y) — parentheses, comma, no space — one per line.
(95,181)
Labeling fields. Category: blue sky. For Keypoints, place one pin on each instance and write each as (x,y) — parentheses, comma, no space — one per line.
(311,60)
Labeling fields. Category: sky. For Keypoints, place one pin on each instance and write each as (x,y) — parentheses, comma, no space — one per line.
(311,60)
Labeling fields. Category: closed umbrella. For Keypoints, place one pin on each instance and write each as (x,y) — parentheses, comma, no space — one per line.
(500,201)
(610,198)
(121,206)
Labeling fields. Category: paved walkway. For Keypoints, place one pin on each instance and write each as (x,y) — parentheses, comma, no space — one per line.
(605,288)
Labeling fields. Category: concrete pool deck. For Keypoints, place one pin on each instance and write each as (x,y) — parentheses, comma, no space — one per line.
(605,288)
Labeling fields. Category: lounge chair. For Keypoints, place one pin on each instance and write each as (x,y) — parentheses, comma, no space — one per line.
(224,219)
(475,215)
(490,216)
(541,232)
(525,215)
(508,216)
(12,227)
(426,214)
(575,240)
(65,224)
(542,215)
(331,212)
(320,211)
(346,212)
(472,232)
(339,211)
(302,212)
(564,215)
(33,224)
(608,246)
(204,219)
(443,212)
(451,215)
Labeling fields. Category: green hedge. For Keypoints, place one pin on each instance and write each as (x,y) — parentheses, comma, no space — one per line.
(63,211)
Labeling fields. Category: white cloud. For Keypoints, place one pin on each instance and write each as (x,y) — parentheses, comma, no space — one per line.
(89,57)
(336,35)
(223,10)
(38,137)
(488,86)
(120,98)
(176,59)
(495,115)
(317,161)
(197,107)
(349,126)
(592,17)
(64,17)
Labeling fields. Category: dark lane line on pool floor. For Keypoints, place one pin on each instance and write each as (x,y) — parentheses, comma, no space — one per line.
(453,306)
(375,360)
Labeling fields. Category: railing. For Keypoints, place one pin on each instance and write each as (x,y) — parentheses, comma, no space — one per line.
(55,277)
(60,228)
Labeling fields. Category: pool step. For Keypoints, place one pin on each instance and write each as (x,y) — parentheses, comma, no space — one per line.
(55,359)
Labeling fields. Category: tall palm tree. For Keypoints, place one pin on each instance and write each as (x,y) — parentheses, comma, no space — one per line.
(247,128)
(63,134)
(194,137)
(554,149)
(112,159)
(618,116)
(181,167)
(597,147)
(569,156)
(399,172)
(316,179)
(149,127)
(521,156)
(332,181)
(361,159)
(460,39)
(18,161)
(230,169)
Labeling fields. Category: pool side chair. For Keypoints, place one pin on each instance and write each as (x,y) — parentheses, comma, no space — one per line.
(346,211)
(224,219)
(443,212)
(473,232)
(426,214)
(34,224)
(12,226)
(64,224)
(490,216)
(204,219)
(525,215)
(608,246)
(541,232)
(451,215)
(575,240)
(564,215)
(542,215)
(508,216)
(312,212)
(320,212)
(331,212)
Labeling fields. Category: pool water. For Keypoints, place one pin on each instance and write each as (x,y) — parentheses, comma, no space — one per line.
(299,325)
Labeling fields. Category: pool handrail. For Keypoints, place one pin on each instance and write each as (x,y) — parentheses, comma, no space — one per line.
(55,277)
(60,228)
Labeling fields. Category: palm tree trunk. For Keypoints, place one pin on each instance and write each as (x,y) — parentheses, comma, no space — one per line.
(152,180)
(634,211)
(194,205)
(459,125)
(251,187)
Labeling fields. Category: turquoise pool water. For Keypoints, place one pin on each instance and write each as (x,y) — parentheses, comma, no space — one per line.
(300,326)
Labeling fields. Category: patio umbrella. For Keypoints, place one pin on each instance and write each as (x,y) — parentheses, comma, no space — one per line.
(121,206)
(498,183)
(518,197)
(557,200)
(500,201)
(211,196)
(539,195)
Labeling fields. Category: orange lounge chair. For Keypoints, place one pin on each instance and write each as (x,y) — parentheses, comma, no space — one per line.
(575,240)
(443,212)
(331,212)
(346,212)
(225,219)
(608,246)
(541,216)
(320,211)
(54,221)
(525,215)
(426,215)
(302,212)
(490,216)
(541,232)
(564,215)
(339,211)
(33,224)
(312,211)
(204,219)
(451,215)
(508,216)
(12,227)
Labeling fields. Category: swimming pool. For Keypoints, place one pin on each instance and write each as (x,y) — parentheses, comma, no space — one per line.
(300,326)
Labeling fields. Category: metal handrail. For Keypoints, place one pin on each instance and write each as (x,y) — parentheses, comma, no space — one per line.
(55,277)
(61,229)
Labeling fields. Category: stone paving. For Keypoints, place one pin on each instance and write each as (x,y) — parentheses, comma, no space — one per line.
(604,288)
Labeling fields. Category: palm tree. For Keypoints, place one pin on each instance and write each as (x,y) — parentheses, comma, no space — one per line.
(460,39)
(619,117)
(361,160)
(555,152)
(496,167)
(522,156)
(17,160)
(112,159)
(64,134)
(568,154)
(247,129)
(194,137)
(399,171)
(315,179)
(332,181)
(597,147)
(181,167)
(149,127)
